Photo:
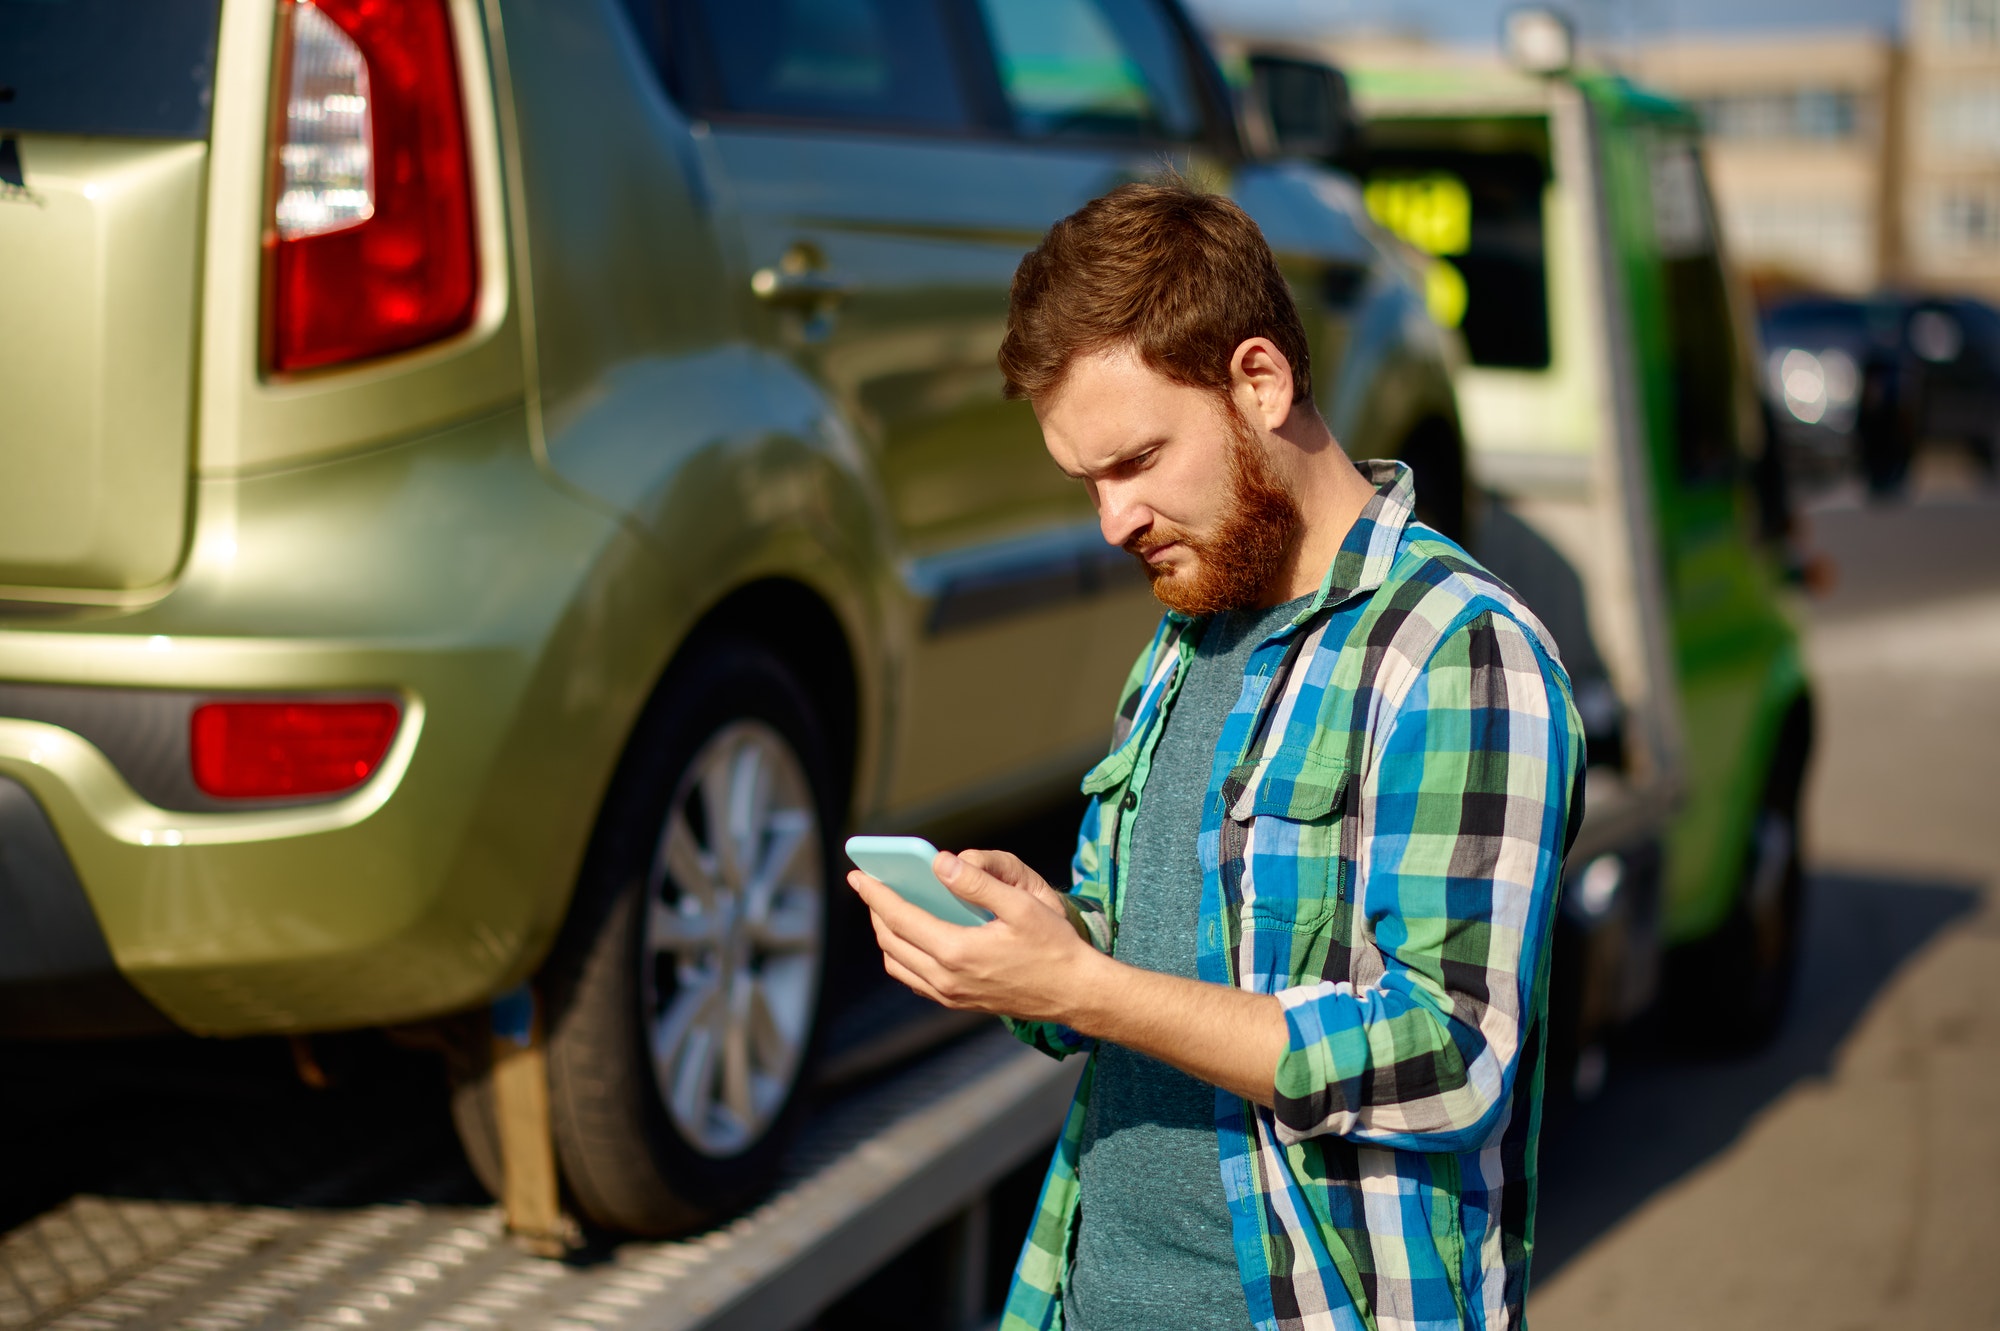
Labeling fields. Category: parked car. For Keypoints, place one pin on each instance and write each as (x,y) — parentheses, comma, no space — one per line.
(491,490)
(1610,397)
(1862,384)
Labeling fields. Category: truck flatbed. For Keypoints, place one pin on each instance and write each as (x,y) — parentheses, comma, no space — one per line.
(875,1170)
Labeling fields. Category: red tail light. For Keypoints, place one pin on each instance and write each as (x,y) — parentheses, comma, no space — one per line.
(267,750)
(374,245)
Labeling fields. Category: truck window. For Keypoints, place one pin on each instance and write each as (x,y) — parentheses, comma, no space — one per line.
(1092,69)
(885,63)
(1701,333)
(1469,193)
(108,67)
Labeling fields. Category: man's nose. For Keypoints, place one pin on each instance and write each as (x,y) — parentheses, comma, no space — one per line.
(1119,518)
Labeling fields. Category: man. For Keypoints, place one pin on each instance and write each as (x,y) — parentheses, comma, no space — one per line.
(1307,935)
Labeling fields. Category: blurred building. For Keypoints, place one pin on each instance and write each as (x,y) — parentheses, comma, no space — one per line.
(1841,160)
(1950,195)
(1803,146)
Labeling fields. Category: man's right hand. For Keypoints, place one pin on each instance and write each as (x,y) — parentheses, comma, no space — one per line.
(1025,962)
(1009,868)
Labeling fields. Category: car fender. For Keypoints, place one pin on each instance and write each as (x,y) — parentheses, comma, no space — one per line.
(726,470)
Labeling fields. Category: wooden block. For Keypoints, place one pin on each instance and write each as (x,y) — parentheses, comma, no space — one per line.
(527,1146)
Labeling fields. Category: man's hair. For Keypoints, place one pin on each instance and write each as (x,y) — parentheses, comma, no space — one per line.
(1182,276)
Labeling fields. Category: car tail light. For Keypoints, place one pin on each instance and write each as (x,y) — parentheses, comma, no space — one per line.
(373,240)
(276,750)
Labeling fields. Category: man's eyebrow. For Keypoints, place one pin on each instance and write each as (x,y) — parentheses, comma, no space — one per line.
(1120,458)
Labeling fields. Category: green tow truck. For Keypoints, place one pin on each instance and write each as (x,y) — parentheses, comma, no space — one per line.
(1625,484)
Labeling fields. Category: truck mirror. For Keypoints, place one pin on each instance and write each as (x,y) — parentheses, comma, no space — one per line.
(1308,109)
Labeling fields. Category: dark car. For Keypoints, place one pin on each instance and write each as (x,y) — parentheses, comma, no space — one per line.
(1862,384)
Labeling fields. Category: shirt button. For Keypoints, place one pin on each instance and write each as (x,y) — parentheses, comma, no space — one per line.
(1131,800)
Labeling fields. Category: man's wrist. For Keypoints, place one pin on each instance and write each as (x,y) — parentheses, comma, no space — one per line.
(1089,995)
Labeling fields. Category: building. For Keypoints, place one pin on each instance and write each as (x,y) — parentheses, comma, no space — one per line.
(1841,161)
(1950,196)
(1802,150)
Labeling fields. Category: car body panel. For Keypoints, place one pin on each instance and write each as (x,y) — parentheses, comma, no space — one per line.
(97,346)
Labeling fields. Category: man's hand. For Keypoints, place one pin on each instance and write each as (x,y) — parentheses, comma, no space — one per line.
(1023,963)
(1028,963)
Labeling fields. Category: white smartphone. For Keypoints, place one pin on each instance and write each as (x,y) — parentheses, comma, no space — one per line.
(904,863)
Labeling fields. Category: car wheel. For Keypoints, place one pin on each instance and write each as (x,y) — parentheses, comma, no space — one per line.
(1885,430)
(685,995)
(1729,992)
(467,1048)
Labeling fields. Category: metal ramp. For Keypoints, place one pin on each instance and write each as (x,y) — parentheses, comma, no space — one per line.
(873,1171)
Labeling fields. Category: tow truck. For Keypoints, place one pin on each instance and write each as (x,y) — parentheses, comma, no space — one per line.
(1627,484)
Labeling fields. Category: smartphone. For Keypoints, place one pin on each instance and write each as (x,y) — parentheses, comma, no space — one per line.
(904,863)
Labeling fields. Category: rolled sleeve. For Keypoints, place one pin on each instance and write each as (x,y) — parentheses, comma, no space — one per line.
(1460,845)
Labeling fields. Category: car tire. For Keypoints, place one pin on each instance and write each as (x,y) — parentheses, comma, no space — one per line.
(684,996)
(467,1045)
(1728,993)
(1885,430)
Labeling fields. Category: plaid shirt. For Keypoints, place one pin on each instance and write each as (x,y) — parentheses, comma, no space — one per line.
(1382,851)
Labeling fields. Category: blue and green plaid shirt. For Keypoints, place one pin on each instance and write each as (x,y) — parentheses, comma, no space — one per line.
(1383,853)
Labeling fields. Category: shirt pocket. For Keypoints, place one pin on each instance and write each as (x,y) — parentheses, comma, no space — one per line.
(1284,839)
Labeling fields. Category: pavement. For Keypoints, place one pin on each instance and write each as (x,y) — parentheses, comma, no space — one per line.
(1848,1177)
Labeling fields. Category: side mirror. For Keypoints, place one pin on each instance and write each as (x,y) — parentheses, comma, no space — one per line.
(1308,110)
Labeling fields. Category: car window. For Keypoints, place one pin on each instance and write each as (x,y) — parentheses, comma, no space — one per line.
(872,62)
(1700,329)
(1092,69)
(108,67)
(1469,193)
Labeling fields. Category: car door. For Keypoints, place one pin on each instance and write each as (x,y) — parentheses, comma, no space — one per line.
(881,164)
(1092,93)
(1702,410)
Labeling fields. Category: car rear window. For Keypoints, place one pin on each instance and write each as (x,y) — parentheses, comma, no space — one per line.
(1093,69)
(888,63)
(108,67)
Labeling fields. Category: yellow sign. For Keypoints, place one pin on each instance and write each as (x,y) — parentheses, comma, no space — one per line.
(1432,212)
(1444,292)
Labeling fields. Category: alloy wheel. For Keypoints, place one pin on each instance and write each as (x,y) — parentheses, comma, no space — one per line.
(732,939)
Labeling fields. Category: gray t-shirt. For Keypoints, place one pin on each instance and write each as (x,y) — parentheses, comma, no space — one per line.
(1153,1247)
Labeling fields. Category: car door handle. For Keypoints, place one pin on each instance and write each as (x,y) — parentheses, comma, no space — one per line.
(808,289)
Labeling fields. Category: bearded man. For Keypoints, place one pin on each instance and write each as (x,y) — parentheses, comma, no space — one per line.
(1306,939)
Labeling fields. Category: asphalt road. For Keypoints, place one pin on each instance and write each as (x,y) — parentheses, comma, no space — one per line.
(1849,1176)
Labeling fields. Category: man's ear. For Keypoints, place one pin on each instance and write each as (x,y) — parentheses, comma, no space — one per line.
(1260,381)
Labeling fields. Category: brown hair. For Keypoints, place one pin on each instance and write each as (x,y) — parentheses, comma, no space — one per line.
(1183,276)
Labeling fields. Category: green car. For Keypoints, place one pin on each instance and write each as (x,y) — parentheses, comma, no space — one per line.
(1632,492)
(489,491)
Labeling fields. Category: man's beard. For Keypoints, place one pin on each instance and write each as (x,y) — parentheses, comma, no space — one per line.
(1233,566)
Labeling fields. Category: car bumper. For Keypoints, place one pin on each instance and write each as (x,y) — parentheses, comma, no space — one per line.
(434,884)
(344,913)
(57,976)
